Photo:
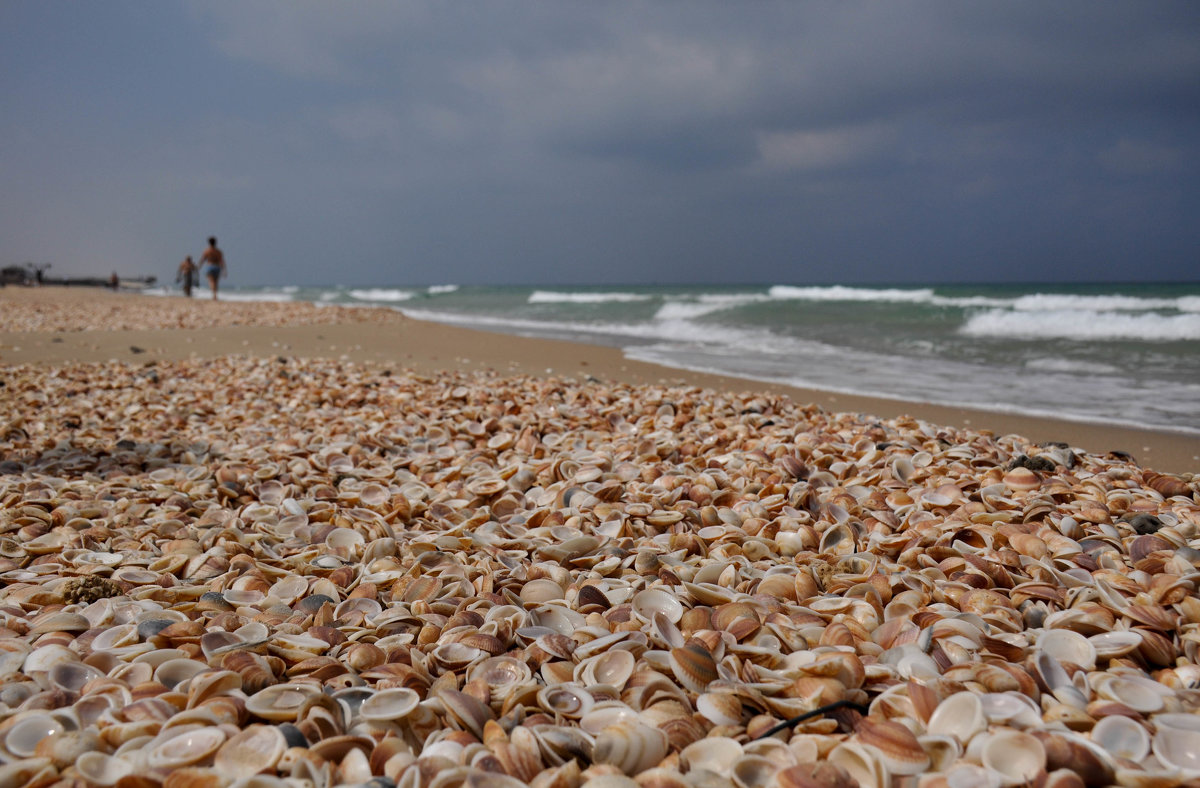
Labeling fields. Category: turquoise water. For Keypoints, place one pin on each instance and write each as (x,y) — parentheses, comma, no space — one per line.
(1127,353)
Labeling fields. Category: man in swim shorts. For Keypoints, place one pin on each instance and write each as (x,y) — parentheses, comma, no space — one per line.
(213,264)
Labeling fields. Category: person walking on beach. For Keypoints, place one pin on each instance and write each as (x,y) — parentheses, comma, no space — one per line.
(187,274)
(114,281)
(214,265)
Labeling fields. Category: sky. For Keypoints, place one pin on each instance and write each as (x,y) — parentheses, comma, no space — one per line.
(417,143)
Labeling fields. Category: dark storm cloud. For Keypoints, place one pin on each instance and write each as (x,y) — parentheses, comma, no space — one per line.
(775,142)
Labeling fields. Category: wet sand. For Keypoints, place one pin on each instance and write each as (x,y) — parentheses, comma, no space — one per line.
(72,326)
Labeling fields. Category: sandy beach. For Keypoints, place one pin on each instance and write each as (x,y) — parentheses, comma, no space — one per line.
(284,546)
(56,325)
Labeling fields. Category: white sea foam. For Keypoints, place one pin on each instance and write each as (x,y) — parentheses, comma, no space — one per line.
(439,289)
(842,293)
(380,294)
(1056,364)
(261,295)
(1052,302)
(1082,324)
(704,304)
(556,297)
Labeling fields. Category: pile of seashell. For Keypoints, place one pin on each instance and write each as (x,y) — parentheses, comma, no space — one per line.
(310,573)
(64,310)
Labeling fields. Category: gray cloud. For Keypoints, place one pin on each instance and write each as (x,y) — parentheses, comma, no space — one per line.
(512,141)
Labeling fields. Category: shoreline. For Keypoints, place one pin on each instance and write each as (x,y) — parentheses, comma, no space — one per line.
(427,347)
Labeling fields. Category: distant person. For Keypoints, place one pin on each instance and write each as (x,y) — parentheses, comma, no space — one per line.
(114,281)
(214,265)
(187,275)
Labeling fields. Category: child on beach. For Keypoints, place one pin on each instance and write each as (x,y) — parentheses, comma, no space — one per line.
(187,272)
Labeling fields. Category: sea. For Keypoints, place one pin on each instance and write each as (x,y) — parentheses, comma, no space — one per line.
(1124,354)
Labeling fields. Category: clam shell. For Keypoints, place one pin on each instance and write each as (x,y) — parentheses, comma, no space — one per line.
(1178,748)
(896,745)
(630,746)
(1067,646)
(959,716)
(23,735)
(652,601)
(281,702)
(388,705)
(694,666)
(185,748)
(716,754)
(256,748)
(1014,756)
(1122,738)
(101,769)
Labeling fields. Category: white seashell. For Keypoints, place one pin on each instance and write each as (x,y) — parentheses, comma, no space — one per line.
(185,748)
(943,751)
(1067,646)
(652,601)
(388,705)
(43,658)
(101,769)
(1178,748)
(1015,756)
(1122,737)
(716,754)
(612,668)
(753,771)
(540,591)
(1012,709)
(1136,693)
(570,700)
(959,716)
(968,775)
(605,714)
(23,736)
(1115,644)
(280,702)
(862,765)
(630,746)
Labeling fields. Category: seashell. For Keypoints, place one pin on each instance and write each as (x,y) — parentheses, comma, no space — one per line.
(1142,695)
(1067,646)
(185,748)
(604,714)
(389,705)
(611,668)
(693,665)
(466,710)
(1013,756)
(720,708)
(715,754)
(102,769)
(960,716)
(281,702)
(1118,643)
(1177,748)
(23,735)
(896,745)
(254,749)
(652,601)
(630,746)
(861,764)
(537,592)
(569,700)
(1122,738)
